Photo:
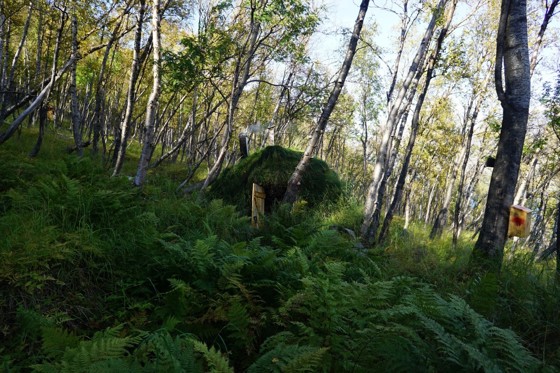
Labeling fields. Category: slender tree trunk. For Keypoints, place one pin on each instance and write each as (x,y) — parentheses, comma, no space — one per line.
(535,239)
(512,51)
(462,175)
(364,138)
(429,204)
(406,213)
(241,76)
(9,85)
(294,183)
(521,194)
(558,243)
(402,39)
(120,147)
(6,35)
(395,114)
(269,134)
(406,162)
(441,217)
(188,129)
(153,101)
(2,44)
(100,91)
(376,217)
(42,123)
(40,36)
(76,119)
(537,46)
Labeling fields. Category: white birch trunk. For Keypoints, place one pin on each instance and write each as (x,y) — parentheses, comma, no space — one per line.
(392,120)
(153,101)
(294,183)
(512,60)
(76,118)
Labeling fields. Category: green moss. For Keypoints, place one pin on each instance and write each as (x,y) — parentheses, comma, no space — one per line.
(271,168)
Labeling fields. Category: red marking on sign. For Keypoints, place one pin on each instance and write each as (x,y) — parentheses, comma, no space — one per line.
(518,221)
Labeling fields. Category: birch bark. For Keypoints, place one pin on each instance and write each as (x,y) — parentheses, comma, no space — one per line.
(153,101)
(76,117)
(295,180)
(120,147)
(512,60)
(395,114)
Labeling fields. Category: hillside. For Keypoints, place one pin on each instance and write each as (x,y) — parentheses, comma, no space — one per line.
(97,275)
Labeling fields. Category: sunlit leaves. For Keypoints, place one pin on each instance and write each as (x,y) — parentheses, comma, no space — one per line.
(202,55)
(285,22)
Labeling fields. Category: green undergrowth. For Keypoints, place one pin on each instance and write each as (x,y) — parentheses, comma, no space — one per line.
(98,276)
(522,297)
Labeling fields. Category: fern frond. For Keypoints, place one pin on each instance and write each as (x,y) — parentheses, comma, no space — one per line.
(203,253)
(57,340)
(289,358)
(161,352)
(509,351)
(239,323)
(106,345)
(308,361)
(284,338)
(215,360)
(112,366)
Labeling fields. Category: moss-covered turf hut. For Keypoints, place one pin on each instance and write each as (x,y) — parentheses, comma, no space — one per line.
(271,168)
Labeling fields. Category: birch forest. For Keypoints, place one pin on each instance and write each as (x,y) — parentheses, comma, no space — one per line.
(279,185)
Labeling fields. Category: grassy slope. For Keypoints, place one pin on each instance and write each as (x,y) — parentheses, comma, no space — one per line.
(96,275)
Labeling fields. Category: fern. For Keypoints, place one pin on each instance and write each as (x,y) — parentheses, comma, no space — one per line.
(104,345)
(239,324)
(57,340)
(308,361)
(112,366)
(215,360)
(203,254)
(161,352)
(397,325)
(290,358)
(148,352)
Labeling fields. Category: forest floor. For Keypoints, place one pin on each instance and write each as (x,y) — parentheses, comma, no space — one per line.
(96,275)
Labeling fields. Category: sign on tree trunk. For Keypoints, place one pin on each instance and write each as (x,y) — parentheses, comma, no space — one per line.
(257,208)
(519,221)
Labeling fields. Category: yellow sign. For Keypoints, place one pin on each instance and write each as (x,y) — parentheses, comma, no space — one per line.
(519,221)
(257,205)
